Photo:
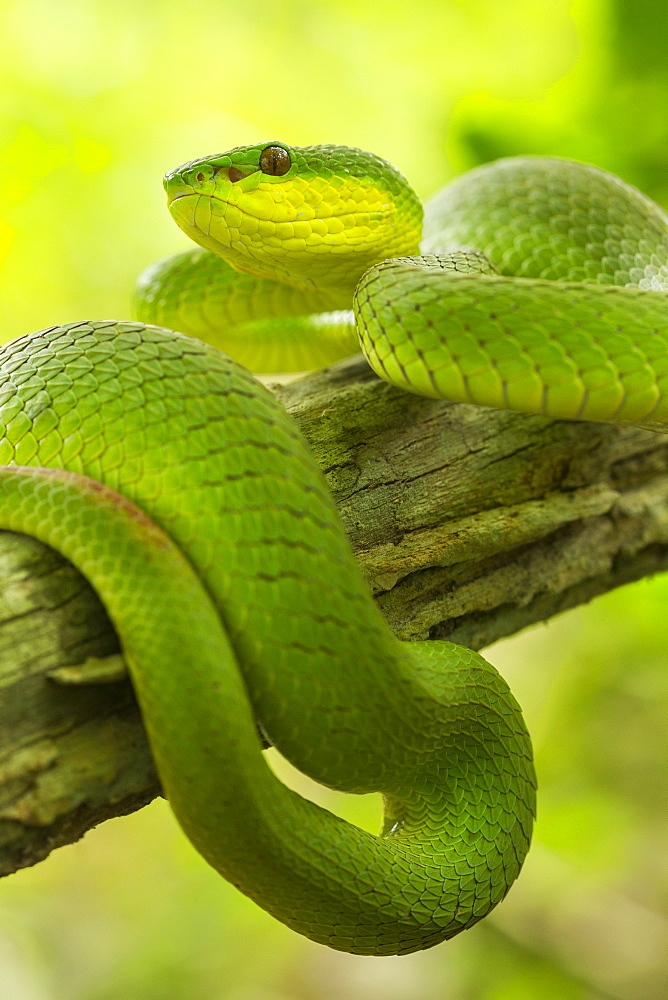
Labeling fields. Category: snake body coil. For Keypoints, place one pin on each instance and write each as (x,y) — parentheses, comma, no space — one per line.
(181,489)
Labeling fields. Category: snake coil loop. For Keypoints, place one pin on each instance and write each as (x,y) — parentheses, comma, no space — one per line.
(185,494)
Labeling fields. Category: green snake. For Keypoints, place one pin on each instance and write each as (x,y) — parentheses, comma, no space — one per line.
(184,493)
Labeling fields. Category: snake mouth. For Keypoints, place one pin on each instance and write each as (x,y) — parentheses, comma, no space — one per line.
(270,211)
(192,213)
(208,197)
(184,206)
(198,210)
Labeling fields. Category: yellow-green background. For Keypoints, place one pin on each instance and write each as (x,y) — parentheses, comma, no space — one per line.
(97,99)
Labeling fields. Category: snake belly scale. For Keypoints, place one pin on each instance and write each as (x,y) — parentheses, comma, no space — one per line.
(181,489)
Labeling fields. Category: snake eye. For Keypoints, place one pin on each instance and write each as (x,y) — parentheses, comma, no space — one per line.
(275,160)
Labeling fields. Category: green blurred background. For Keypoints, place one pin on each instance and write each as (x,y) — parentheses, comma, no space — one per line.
(97,99)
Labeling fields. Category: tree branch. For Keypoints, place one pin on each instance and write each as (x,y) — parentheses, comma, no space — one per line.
(470,524)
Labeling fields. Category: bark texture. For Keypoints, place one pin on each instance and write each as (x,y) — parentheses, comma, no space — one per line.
(471,524)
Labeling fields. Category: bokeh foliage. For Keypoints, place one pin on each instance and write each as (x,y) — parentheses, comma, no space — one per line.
(97,99)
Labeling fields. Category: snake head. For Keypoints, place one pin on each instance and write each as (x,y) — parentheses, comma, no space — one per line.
(311,216)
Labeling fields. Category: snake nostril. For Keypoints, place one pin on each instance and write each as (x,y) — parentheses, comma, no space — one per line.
(199,177)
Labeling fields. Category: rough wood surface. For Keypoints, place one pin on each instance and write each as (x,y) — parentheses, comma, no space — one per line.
(470,525)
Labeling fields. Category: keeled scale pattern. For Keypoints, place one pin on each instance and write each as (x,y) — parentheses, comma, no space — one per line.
(192,440)
(579,332)
(264,325)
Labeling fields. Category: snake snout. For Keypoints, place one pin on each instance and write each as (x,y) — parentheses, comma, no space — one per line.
(197,177)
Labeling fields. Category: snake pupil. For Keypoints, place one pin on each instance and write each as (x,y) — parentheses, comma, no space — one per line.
(275,160)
